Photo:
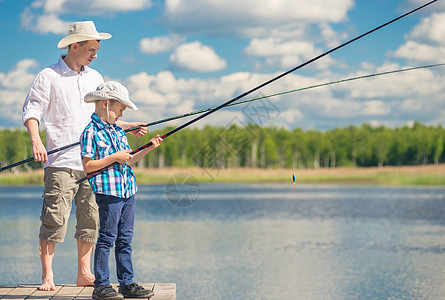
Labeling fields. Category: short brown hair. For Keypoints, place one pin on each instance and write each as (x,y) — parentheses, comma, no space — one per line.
(81,43)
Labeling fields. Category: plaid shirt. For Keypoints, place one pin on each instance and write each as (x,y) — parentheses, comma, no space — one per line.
(98,141)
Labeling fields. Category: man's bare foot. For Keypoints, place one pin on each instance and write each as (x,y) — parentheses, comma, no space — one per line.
(47,283)
(85,279)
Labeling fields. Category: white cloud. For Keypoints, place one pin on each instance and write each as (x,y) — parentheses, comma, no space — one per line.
(276,46)
(14,87)
(283,53)
(87,7)
(375,108)
(420,52)
(425,42)
(196,57)
(430,29)
(389,100)
(242,17)
(160,44)
(44,16)
(162,95)
(46,23)
(19,77)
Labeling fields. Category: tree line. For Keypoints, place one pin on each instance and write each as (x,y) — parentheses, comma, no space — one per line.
(269,147)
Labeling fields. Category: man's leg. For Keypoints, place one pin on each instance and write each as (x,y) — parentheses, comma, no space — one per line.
(84,275)
(54,218)
(86,230)
(46,250)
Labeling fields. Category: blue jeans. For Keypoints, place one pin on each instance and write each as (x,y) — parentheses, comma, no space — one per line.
(116,228)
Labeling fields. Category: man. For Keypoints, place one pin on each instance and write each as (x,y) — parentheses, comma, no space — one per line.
(56,96)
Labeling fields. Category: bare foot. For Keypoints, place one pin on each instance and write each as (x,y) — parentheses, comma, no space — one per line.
(47,283)
(85,279)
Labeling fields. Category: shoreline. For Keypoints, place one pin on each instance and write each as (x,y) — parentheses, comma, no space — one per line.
(424,175)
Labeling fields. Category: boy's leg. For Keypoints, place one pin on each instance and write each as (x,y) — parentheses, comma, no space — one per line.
(123,250)
(109,214)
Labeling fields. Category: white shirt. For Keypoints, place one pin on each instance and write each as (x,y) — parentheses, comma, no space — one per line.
(56,96)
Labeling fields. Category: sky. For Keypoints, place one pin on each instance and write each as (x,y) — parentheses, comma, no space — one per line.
(177,56)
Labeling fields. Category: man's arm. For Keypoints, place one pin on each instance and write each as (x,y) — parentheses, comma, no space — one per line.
(38,149)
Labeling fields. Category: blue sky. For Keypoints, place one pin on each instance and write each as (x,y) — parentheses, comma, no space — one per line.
(175,58)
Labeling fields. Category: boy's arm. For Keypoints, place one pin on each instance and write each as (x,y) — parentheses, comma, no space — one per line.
(91,165)
(156,141)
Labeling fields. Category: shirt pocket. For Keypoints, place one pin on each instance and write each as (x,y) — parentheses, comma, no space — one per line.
(104,148)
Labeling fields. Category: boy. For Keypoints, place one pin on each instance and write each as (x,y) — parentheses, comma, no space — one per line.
(104,143)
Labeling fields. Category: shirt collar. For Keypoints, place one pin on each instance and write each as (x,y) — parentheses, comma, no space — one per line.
(64,67)
(101,124)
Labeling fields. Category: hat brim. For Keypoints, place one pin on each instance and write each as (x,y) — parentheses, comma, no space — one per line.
(75,38)
(101,95)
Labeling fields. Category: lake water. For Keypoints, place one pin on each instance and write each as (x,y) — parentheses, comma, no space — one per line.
(259,241)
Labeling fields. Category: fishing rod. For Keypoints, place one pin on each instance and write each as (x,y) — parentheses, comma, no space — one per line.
(236,103)
(89,175)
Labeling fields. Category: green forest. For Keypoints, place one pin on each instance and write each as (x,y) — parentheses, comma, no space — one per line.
(267,147)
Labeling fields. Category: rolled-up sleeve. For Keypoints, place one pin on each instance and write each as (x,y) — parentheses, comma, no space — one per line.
(87,144)
(37,99)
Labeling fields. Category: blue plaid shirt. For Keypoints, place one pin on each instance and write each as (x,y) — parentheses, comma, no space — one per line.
(98,141)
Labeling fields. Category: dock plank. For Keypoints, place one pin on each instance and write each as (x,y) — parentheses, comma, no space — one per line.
(6,289)
(21,292)
(163,291)
(44,294)
(68,292)
(86,293)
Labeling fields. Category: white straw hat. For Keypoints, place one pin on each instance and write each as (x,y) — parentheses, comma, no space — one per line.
(82,31)
(111,90)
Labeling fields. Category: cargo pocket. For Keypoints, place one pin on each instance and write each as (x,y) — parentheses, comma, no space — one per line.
(54,210)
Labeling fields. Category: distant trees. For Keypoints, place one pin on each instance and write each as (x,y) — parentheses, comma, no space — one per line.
(268,147)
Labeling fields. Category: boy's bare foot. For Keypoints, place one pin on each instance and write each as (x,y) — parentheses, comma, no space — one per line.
(85,279)
(47,283)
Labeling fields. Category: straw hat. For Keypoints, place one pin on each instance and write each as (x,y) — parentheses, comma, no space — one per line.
(111,90)
(81,31)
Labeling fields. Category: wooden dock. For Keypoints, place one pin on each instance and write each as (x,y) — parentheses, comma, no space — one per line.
(163,291)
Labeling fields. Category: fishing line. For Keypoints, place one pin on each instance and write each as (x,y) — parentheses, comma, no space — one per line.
(287,92)
(259,87)
(236,103)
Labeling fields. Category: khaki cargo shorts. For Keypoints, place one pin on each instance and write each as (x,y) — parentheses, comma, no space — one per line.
(60,190)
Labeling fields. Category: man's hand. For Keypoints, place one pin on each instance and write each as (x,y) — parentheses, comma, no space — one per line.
(39,151)
(138,132)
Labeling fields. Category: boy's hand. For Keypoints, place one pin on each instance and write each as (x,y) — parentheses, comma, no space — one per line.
(122,156)
(156,141)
